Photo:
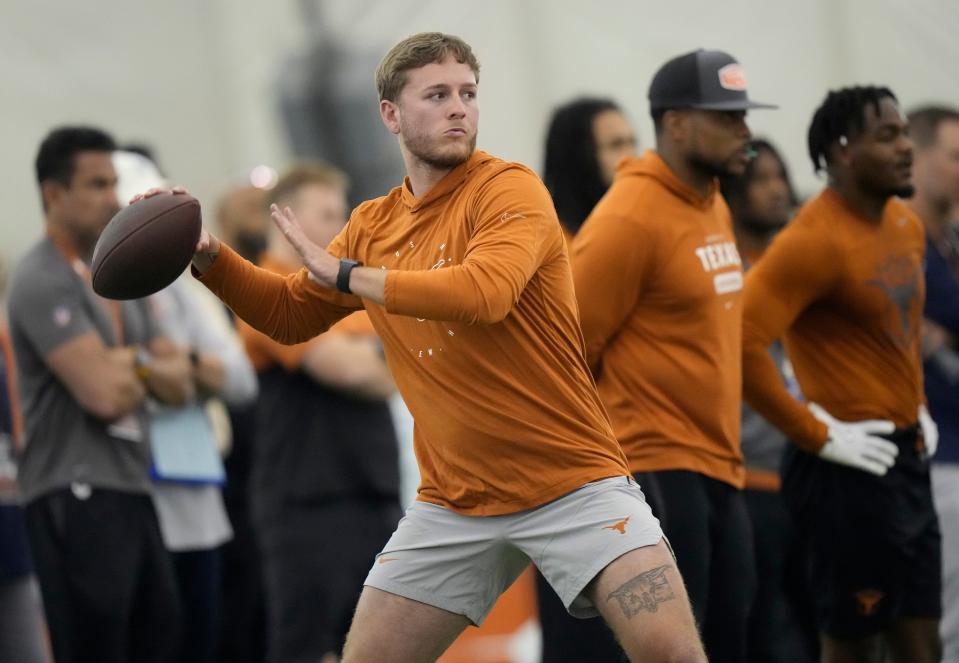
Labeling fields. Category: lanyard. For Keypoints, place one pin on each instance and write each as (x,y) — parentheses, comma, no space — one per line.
(13,400)
(115,309)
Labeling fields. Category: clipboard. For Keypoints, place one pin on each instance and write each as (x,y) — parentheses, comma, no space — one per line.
(184,447)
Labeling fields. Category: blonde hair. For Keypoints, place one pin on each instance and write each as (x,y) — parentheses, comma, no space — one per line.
(304,174)
(418,51)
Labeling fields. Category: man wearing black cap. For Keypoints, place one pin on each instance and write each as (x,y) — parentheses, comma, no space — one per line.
(659,284)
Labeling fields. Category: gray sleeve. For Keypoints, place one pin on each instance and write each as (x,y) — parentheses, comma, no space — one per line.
(49,308)
(211,332)
(151,326)
(240,385)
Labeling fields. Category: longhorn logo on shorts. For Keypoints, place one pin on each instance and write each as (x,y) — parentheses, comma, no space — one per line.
(620,526)
(869,601)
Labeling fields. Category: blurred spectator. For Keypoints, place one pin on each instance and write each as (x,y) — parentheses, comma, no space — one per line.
(325,450)
(239,215)
(761,201)
(586,139)
(21,613)
(935,131)
(242,223)
(85,367)
(193,519)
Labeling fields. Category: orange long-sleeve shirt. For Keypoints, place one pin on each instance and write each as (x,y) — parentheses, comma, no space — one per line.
(265,352)
(846,294)
(659,282)
(480,331)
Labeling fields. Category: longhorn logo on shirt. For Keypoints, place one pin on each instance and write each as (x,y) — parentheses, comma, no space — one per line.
(898,278)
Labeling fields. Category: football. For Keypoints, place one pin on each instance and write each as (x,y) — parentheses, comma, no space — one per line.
(146,246)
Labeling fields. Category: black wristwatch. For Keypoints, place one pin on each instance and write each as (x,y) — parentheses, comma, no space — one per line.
(343,276)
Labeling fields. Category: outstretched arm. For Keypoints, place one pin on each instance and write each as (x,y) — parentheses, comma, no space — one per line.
(513,222)
(289,309)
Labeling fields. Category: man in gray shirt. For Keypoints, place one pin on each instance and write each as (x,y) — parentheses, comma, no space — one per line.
(85,366)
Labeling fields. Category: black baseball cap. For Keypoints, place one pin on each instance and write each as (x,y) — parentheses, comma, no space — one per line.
(707,80)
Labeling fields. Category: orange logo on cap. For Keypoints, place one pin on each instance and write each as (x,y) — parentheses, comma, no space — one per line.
(732,77)
(869,601)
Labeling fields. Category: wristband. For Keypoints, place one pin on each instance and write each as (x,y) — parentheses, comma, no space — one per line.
(343,275)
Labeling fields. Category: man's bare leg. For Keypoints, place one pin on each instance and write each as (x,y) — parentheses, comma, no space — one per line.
(642,597)
(914,640)
(391,629)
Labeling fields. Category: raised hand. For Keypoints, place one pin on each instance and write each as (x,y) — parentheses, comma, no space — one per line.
(323,267)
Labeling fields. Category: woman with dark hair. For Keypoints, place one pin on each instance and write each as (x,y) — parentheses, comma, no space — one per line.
(586,139)
(762,201)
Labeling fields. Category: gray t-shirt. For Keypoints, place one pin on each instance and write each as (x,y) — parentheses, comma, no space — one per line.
(50,304)
(763,444)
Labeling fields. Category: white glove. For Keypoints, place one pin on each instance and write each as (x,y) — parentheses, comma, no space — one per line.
(930,431)
(857,444)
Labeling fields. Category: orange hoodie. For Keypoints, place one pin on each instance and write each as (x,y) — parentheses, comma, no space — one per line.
(659,282)
(846,293)
(480,331)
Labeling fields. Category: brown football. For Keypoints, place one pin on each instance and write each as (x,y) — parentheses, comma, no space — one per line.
(146,246)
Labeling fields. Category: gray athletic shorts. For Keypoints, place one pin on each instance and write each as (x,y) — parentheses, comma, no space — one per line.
(463,563)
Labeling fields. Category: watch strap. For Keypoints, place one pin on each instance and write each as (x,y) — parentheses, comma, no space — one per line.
(343,275)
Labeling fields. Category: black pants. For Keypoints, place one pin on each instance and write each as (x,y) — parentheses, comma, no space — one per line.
(315,560)
(708,528)
(198,578)
(781,625)
(242,637)
(567,639)
(107,581)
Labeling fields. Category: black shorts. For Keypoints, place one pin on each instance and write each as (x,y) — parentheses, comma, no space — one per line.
(873,544)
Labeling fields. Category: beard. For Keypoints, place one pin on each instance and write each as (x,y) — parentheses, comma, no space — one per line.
(905,191)
(879,179)
(429,151)
(888,190)
(714,167)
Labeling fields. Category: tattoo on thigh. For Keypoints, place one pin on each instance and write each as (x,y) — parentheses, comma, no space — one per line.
(644,592)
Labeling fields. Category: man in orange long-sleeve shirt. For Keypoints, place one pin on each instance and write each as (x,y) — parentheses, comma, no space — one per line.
(468,285)
(843,285)
(659,284)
